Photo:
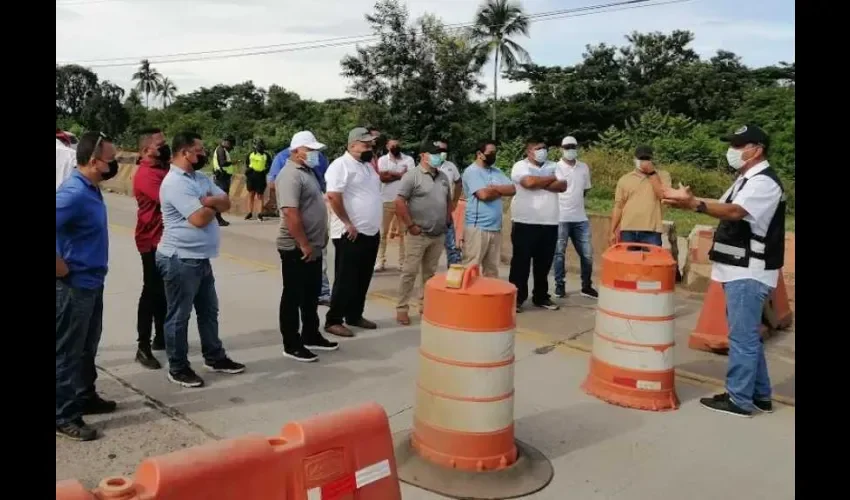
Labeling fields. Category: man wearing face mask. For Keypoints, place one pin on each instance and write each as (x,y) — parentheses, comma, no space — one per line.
(484,185)
(154,160)
(424,207)
(748,252)
(223,169)
(572,219)
(453,253)
(391,168)
(637,215)
(190,239)
(534,213)
(82,254)
(302,238)
(258,162)
(354,193)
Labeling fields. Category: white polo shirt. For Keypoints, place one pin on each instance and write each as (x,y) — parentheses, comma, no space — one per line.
(66,161)
(533,206)
(451,171)
(361,195)
(571,201)
(386,163)
(759,197)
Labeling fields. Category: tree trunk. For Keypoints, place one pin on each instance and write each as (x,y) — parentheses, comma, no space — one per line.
(495,88)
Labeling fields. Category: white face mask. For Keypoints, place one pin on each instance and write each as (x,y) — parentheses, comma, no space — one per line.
(570,154)
(735,157)
(540,155)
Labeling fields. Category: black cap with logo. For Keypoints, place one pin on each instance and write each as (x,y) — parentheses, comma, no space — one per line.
(748,134)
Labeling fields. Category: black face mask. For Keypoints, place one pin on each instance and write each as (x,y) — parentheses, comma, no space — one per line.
(164,155)
(395,150)
(366,156)
(113,170)
(201,163)
(490,159)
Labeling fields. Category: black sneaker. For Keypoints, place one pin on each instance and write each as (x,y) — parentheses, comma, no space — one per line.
(186,377)
(300,354)
(560,292)
(319,343)
(547,304)
(519,308)
(260,218)
(144,357)
(223,223)
(764,406)
(158,344)
(98,406)
(590,293)
(249,216)
(77,431)
(723,404)
(225,365)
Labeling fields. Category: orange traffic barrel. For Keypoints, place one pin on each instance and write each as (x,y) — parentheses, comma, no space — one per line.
(631,363)
(463,415)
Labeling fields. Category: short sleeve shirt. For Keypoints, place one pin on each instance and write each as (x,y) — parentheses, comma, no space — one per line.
(387,163)
(533,206)
(571,201)
(641,207)
(484,215)
(298,187)
(428,194)
(360,187)
(180,196)
(451,171)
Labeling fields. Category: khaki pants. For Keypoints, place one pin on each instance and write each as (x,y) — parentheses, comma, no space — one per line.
(389,215)
(423,255)
(482,248)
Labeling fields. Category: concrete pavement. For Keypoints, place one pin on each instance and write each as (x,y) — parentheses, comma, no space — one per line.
(599,451)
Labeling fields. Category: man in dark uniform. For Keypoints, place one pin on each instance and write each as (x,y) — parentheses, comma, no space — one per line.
(223,169)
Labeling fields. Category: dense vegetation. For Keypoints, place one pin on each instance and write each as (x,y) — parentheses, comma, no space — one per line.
(419,79)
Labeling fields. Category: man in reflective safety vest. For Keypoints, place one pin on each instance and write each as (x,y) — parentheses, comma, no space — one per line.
(258,163)
(223,170)
(747,253)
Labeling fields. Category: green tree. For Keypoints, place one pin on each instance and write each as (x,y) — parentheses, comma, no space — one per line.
(147,80)
(104,111)
(495,23)
(74,85)
(167,91)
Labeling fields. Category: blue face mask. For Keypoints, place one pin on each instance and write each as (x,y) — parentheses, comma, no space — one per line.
(435,160)
(312,159)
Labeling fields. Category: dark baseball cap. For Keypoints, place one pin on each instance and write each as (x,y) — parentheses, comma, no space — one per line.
(748,134)
(429,147)
(643,153)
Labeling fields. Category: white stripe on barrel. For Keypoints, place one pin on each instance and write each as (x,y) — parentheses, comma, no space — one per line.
(630,303)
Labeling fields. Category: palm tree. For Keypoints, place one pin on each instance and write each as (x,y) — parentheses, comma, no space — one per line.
(167,91)
(148,80)
(495,23)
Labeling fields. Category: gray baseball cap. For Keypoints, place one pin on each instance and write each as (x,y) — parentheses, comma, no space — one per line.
(360,134)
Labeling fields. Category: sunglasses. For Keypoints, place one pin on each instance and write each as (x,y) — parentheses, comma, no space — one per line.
(101,137)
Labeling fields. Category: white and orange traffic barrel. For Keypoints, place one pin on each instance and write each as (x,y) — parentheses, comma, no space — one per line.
(632,360)
(463,415)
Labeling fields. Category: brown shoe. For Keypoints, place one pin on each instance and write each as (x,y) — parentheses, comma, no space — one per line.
(402,318)
(339,331)
(364,323)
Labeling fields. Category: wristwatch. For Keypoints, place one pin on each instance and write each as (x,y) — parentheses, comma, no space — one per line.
(701,207)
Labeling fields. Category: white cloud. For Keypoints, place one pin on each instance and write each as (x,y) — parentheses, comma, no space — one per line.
(118,29)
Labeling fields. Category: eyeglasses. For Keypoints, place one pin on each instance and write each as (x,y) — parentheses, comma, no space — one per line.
(101,137)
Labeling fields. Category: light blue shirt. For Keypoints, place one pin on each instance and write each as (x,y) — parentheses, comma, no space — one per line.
(180,196)
(485,215)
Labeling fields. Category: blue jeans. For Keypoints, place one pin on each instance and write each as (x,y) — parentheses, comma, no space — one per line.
(453,255)
(746,376)
(79,323)
(579,233)
(188,283)
(326,284)
(648,237)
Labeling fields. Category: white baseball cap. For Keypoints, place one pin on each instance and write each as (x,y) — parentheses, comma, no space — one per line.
(569,141)
(305,138)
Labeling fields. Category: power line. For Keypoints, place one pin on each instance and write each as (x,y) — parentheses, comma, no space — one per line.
(351,40)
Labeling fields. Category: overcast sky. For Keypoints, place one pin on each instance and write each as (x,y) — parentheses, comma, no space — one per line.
(760,31)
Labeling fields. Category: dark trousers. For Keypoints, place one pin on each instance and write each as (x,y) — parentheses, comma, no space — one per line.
(355,263)
(152,304)
(222,180)
(534,248)
(79,323)
(648,237)
(302,282)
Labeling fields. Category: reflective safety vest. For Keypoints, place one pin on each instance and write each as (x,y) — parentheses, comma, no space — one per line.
(258,161)
(216,167)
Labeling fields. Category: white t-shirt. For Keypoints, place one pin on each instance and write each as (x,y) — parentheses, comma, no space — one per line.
(571,201)
(361,195)
(66,162)
(386,163)
(759,197)
(451,171)
(533,206)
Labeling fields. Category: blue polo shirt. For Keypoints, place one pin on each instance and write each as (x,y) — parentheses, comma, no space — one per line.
(485,215)
(82,237)
(180,196)
(280,161)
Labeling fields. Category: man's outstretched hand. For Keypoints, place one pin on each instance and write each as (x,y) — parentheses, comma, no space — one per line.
(682,197)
